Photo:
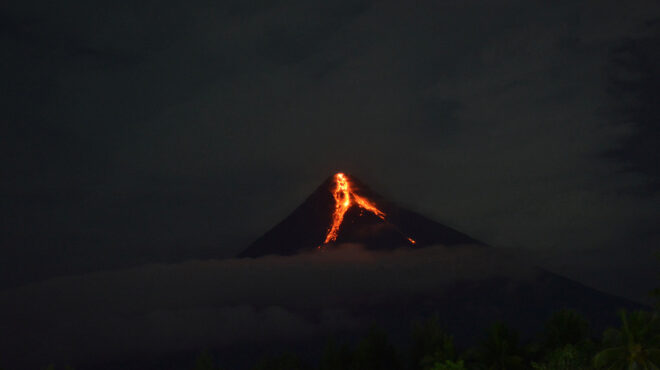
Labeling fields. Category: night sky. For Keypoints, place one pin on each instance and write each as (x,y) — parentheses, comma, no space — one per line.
(163,132)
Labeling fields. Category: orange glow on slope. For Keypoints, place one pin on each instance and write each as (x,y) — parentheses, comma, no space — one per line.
(343,195)
(363,203)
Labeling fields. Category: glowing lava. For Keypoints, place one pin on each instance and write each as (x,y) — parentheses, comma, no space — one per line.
(342,195)
(344,198)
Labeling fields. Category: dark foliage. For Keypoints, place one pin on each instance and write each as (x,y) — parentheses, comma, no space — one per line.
(286,361)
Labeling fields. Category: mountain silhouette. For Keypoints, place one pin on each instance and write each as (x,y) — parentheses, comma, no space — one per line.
(308,226)
(467,305)
(472,304)
(465,284)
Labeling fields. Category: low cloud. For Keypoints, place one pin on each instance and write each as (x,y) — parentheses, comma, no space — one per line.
(196,304)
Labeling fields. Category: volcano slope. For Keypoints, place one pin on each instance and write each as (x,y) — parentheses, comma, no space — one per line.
(467,303)
(368,219)
(295,287)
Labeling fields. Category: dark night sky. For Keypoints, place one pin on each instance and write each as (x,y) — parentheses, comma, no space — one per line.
(163,132)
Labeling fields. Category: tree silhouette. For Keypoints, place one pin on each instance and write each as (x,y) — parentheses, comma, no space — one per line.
(335,356)
(500,350)
(375,352)
(205,361)
(568,357)
(655,293)
(52,367)
(431,344)
(448,365)
(636,345)
(286,361)
(565,327)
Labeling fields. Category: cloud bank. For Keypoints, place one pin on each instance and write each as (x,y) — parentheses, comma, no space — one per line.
(219,303)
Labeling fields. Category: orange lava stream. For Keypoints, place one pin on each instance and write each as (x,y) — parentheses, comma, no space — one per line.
(368,206)
(343,195)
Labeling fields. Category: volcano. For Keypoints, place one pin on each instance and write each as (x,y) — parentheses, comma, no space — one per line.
(344,210)
(295,303)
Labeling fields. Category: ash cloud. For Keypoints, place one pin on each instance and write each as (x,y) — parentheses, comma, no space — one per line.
(215,303)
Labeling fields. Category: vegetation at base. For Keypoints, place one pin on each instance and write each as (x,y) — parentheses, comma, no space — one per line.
(565,343)
(205,361)
(636,345)
(499,350)
(288,361)
(431,345)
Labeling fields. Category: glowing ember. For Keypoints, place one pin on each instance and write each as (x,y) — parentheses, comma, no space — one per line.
(344,196)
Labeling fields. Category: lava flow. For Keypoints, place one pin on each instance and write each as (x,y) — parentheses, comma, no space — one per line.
(344,198)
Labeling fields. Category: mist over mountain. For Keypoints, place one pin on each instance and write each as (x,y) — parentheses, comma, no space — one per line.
(386,266)
(242,307)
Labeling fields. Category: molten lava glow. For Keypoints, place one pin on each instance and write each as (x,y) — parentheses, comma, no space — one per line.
(363,203)
(344,196)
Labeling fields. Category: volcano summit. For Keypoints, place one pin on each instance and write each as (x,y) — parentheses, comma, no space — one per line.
(343,210)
